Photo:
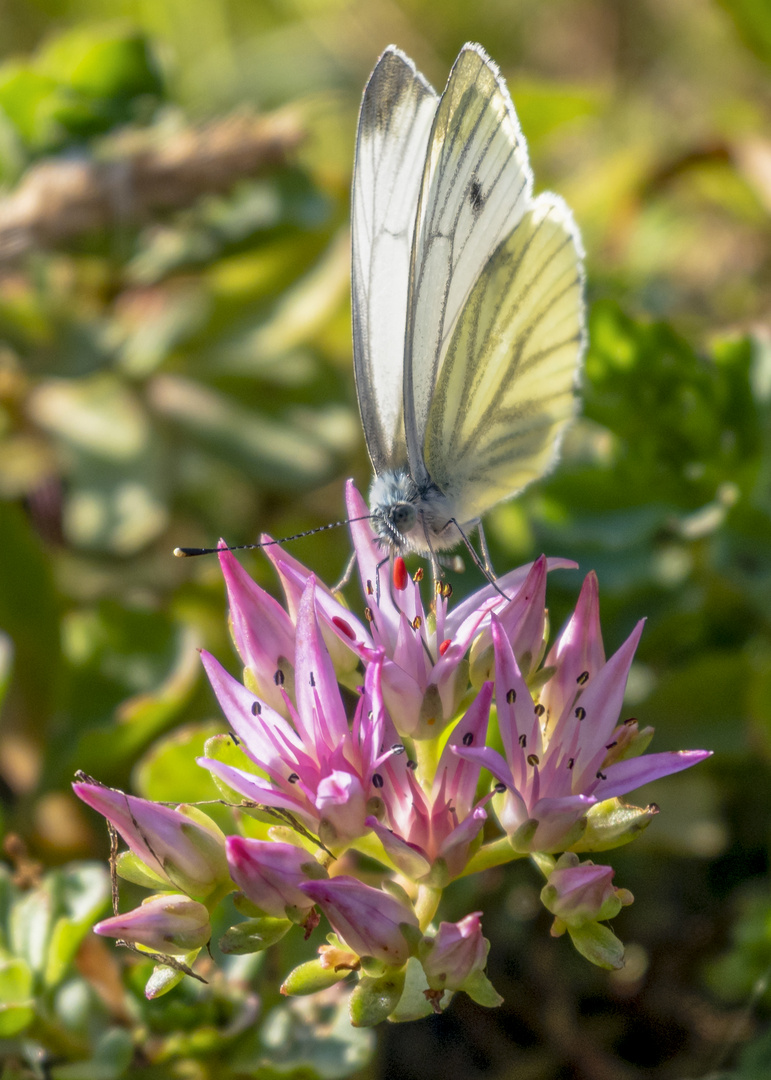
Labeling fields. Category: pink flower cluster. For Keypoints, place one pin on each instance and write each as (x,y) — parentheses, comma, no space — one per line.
(410,779)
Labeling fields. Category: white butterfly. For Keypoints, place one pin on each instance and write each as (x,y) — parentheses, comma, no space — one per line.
(468,314)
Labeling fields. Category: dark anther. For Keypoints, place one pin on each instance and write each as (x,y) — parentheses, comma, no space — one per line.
(398,748)
(612,744)
(256,708)
(632,720)
(523,741)
(571,762)
(511,696)
(370,590)
(313,681)
(583,678)
(499,788)
(533,759)
(468,739)
(278,678)
(540,709)
(601,775)
(377,780)
(417,622)
(368,614)
(580,713)
(293,778)
(411,764)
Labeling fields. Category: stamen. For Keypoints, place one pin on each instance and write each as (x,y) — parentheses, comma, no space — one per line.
(468,738)
(533,759)
(580,713)
(540,709)
(313,681)
(368,614)
(630,721)
(256,708)
(418,575)
(398,748)
(446,590)
(343,627)
(601,775)
(370,590)
(412,765)
(444,646)
(278,677)
(499,788)
(571,762)
(523,741)
(377,780)
(293,778)
(511,696)
(400,574)
(416,623)
(610,745)
(583,678)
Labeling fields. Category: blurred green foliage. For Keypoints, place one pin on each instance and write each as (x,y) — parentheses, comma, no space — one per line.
(185,373)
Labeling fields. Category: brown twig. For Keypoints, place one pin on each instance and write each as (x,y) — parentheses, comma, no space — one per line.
(62,198)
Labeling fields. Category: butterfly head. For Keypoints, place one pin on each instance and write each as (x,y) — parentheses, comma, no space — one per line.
(393,500)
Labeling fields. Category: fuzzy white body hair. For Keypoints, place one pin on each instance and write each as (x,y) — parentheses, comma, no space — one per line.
(407,517)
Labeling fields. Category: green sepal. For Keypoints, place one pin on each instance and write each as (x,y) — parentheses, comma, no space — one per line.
(522,839)
(481,990)
(497,853)
(254,935)
(611,824)
(310,977)
(413,1004)
(373,1000)
(131,868)
(164,977)
(599,945)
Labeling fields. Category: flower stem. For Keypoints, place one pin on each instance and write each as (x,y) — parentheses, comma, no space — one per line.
(426,904)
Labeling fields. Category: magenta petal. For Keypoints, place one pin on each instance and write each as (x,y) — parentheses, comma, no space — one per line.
(624,776)
(270,873)
(459,774)
(366,919)
(320,708)
(409,858)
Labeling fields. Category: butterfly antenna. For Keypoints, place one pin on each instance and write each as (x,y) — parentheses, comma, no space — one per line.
(189,552)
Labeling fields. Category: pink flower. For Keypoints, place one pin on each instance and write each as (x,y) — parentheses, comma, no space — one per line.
(171,924)
(432,834)
(578,893)
(182,846)
(424,677)
(562,760)
(312,764)
(270,874)
(454,953)
(368,920)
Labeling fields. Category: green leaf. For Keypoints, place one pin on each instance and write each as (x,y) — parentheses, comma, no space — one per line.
(16,1002)
(310,977)
(254,935)
(413,1003)
(111,1058)
(168,771)
(82,892)
(373,1000)
(598,944)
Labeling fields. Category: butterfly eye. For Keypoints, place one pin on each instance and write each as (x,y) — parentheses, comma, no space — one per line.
(402,516)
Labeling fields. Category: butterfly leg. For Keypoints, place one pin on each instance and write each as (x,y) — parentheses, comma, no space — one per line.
(484,566)
(485,552)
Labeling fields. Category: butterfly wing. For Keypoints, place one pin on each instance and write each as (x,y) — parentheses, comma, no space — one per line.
(506,388)
(395,120)
(476,186)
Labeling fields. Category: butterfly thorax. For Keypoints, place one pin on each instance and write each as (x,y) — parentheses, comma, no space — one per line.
(410,517)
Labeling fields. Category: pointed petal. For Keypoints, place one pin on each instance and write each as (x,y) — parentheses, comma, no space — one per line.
(461,775)
(625,776)
(318,694)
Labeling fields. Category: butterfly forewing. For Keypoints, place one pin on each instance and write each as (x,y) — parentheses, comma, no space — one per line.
(476,186)
(394,125)
(506,388)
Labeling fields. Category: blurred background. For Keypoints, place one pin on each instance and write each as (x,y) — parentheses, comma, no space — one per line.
(175,366)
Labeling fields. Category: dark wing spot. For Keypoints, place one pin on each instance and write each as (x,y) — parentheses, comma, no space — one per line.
(476,195)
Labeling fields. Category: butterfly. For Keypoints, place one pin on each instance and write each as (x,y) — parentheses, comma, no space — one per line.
(467,296)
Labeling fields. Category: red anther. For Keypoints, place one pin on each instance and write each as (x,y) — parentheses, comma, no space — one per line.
(400,574)
(444,646)
(343,627)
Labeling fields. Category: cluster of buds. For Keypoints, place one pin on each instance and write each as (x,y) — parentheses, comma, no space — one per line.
(461,715)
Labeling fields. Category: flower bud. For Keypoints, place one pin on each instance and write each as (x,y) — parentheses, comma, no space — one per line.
(457,950)
(171,924)
(183,845)
(368,920)
(270,874)
(580,893)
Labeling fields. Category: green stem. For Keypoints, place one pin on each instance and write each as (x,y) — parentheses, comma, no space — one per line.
(545,863)
(426,904)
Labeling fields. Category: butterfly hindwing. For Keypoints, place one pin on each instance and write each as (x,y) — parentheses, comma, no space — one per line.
(506,388)
(395,120)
